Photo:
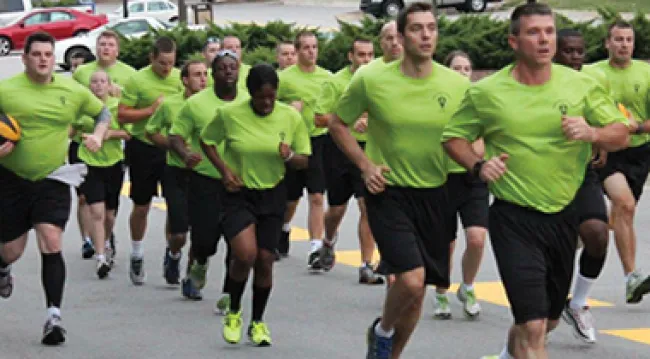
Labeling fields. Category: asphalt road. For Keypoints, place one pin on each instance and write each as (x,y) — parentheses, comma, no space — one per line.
(310,316)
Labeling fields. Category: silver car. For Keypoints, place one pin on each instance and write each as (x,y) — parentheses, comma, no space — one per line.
(391,8)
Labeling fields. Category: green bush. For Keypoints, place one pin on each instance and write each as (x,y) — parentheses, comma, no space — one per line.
(53,3)
(482,37)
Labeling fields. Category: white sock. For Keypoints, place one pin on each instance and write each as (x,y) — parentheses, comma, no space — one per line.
(385,334)
(286,227)
(627,276)
(5,270)
(176,256)
(87,239)
(100,257)
(316,244)
(137,250)
(53,311)
(580,292)
(468,287)
(504,354)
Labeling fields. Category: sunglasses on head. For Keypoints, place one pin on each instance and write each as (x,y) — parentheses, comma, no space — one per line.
(224,53)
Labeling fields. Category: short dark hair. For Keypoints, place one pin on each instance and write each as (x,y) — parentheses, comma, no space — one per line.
(163,45)
(528,9)
(620,24)
(402,18)
(300,35)
(38,36)
(185,70)
(564,34)
(79,55)
(260,75)
(454,54)
(283,42)
(362,40)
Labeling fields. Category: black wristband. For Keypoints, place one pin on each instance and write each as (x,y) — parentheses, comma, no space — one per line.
(476,170)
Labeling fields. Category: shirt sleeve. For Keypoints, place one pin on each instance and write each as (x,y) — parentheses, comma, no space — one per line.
(214,133)
(77,76)
(326,102)
(184,123)
(286,93)
(465,123)
(354,101)
(130,93)
(157,121)
(301,143)
(91,105)
(600,108)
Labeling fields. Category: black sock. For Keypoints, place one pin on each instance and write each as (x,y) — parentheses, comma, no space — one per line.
(3,268)
(227,283)
(53,277)
(236,292)
(260,299)
(590,267)
(201,260)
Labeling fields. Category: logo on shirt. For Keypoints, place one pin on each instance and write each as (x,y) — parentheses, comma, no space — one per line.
(62,100)
(637,87)
(442,99)
(563,107)
(283,135)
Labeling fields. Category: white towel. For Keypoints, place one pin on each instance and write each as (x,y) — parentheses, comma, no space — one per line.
(72,175)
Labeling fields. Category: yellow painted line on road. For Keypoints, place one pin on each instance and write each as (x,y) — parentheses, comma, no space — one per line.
(640,335)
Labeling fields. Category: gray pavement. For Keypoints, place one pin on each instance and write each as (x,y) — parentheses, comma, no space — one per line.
(310,316)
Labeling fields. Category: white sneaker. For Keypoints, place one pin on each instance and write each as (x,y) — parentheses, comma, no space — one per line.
(441,307)
(470,305)
(581,321)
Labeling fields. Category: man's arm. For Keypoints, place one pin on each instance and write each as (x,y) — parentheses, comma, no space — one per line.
(128,114)
(347,143)
(159,140)
(95,140)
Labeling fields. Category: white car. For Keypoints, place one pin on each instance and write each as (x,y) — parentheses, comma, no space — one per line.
(162,10)
(132,27)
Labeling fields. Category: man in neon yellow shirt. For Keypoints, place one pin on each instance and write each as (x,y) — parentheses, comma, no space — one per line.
(404,170)
(34,183)
(626,171)
(538,121)
(142,95)
(342,176)
(233,43)
(176,178)
(300,86)
(205,188)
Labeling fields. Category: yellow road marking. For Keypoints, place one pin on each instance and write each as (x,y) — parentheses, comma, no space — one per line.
(640,335)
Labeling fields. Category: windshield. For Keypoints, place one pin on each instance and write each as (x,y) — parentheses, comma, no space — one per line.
(7,20)
(164,24)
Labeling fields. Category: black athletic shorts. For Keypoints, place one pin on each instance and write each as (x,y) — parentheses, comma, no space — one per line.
(312,178)
(411,228)
(103,184)
(73,153)
(25,203)
(205,203)
(175,186)
(535,254)
(264,208)
(343,177)
(469,198)
(590,199)
(633,163)
(146,170)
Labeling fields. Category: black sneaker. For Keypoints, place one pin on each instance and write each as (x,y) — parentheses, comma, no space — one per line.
(87,250)
(53,332)
(6,285)
(327,257)
(378,347)
(283,245)
(136,271)
(172,271)
(113,242)
(102,269)
(313,261)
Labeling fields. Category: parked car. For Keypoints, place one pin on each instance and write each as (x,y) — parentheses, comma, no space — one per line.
(132,27)
(61,23)
(162,10)
(391,8)
(10,10)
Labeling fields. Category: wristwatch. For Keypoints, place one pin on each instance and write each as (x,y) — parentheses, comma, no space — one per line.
(476,170)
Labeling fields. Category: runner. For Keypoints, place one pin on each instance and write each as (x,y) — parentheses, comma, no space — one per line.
(77,59)
(626,171)
(176,177)
(260,136)
(210,49)
(233,43)
(142,95)
(592,212)
(300,85)
(31,173)
(469,199)
(103,183)
(205,189)
(536,166)
(405,172)
(342,176)
(285,53)
(108,50)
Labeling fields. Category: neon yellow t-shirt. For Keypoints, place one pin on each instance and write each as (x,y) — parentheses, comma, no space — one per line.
(545,170)
(407,116)
(120,73)
(161,122)
(251,142)
(143,89)
(111,151)
(44,113)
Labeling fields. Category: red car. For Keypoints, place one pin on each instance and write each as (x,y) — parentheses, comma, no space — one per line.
(61,23)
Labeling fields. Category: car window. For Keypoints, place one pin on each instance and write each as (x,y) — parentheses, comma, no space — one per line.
(60,16)
(132,27)
(38,18)
(139,7)
(156,6)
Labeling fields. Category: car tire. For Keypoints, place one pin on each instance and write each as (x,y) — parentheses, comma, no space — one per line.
(475,5)
(5,46)
(75,50)
(391,8)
